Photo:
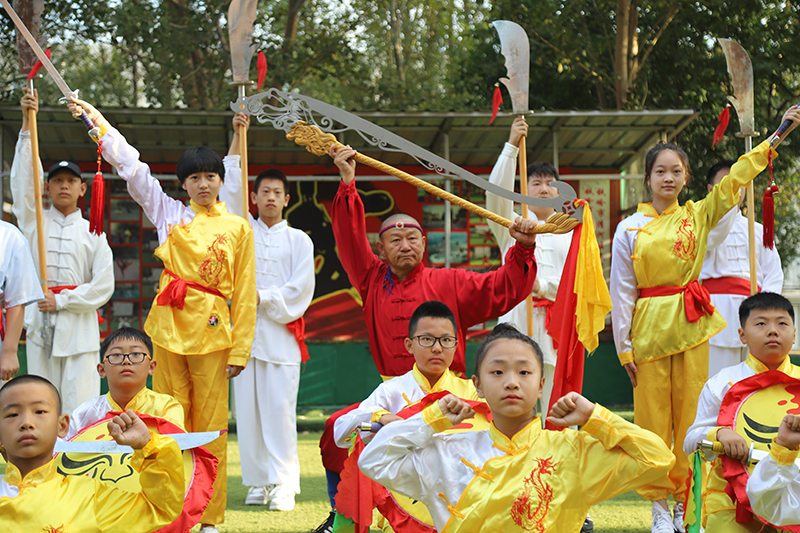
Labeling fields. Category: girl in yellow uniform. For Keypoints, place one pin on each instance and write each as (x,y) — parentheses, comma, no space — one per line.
(662,317)
(515,476)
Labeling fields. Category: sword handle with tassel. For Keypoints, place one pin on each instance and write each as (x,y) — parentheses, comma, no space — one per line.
(319,143)
(776,137)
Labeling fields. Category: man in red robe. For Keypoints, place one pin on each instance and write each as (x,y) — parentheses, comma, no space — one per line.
(391,290)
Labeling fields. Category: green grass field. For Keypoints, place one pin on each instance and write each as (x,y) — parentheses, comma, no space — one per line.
(624,514)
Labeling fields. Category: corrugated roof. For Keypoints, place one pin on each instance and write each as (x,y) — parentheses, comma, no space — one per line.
(590,140)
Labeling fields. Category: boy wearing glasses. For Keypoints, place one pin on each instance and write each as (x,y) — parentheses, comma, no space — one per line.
(126,361)
(432,341)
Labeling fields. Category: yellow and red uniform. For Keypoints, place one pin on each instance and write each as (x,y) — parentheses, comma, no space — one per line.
(539,480)
(209,258)
(662,317)
(48,501)
(145,402)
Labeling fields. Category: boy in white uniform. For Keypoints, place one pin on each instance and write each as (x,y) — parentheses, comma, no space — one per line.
(63,335)
(432,340)
(19,286)
(266,391)
(767,326)
(726,275)
(774,485)
(551,249)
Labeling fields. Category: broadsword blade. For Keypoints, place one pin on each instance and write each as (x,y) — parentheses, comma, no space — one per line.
(185,441)
(740,69)
(516,49)
(62,85)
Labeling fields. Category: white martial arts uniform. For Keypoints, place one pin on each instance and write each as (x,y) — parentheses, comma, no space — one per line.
(719,511)
(74,257)
(19,284)
(774,487)
(715,390)
(731,258)
(394,395)
(266,390)
(551,255)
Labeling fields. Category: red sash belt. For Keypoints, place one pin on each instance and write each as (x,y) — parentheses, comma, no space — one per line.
(696,299)
(728,285)
(60,288)
(298,329)
(548,316)
(174,294)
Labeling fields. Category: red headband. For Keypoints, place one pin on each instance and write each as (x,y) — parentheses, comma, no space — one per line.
(399,225)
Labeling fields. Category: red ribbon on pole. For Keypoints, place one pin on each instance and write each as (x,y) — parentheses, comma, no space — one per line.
(37,66)
(497,101)
(261,66)
(723,118)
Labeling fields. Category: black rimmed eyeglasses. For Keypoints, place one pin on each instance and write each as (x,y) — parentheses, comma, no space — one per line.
(427,341)
(118,358)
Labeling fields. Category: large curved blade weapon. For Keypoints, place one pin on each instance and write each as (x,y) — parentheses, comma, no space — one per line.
(741,70)
(283,110)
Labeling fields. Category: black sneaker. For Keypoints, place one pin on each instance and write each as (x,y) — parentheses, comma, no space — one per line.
(327,525)
(588,525)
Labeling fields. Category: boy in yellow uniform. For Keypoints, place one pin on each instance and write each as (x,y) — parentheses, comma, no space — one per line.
(209,258)
(767,327)
(35,497)
(516,476)
(126,359)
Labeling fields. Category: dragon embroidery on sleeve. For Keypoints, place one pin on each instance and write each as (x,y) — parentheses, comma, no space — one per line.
(522,513)
(686,243)
(214,261)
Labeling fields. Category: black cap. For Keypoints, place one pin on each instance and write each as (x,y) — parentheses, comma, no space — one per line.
(64,165)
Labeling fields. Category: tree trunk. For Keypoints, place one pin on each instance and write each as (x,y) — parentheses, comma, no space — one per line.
(292,20)
(396,41)
(30,13)
(622,52)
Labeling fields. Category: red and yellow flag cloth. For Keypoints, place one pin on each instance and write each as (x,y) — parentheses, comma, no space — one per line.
(358,495)
(582,303)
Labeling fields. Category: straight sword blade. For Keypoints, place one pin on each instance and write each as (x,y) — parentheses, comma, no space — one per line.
(62,85)
(185,441)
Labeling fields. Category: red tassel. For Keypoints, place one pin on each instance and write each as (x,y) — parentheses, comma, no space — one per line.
(37,66)
(497,101)
(723,118)
(96,212)
(261,66)
(769,209)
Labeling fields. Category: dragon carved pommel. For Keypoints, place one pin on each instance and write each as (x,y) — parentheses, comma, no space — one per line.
(310,136)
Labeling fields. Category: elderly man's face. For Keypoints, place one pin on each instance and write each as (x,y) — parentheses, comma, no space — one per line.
(402,248)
